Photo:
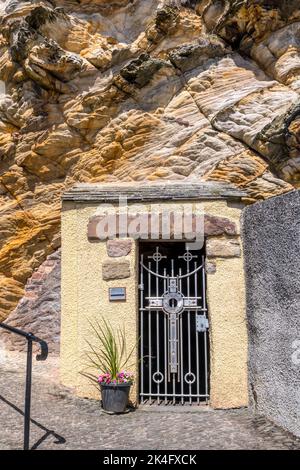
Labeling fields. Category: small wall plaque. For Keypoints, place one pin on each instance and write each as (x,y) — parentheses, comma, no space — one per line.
(117,293)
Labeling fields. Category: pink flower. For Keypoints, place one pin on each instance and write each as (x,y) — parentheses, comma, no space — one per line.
(121,377)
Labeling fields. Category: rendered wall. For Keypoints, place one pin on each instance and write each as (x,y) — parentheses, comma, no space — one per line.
(271,235)
(85,296)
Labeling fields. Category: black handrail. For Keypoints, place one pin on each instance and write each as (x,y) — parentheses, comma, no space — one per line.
(40,357)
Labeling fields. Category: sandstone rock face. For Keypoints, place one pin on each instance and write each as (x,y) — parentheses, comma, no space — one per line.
(134,90)
(39,310)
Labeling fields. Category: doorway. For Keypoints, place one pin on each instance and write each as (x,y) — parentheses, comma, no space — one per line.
(173,325)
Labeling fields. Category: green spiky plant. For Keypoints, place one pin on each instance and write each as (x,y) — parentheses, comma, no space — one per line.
(108,353)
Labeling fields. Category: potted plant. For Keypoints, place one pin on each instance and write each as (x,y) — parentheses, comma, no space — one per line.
(108,355)
(115,391)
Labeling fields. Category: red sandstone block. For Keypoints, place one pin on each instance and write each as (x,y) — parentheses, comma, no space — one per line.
(31,295)
(49,262)
(47,270)
(36,276)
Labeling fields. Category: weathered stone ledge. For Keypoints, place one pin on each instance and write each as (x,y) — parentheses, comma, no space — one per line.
(170,191)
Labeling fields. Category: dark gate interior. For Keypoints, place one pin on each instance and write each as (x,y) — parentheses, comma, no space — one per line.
(174,345)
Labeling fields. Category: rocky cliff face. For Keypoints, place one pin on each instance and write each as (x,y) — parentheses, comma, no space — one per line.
(94,90)
(39,309)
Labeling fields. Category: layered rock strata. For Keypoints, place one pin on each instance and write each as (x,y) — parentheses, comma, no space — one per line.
(134,90)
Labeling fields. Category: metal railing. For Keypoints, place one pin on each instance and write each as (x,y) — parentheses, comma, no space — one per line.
(40,357)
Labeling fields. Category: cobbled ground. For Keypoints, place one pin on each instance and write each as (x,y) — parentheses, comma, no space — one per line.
(62,421)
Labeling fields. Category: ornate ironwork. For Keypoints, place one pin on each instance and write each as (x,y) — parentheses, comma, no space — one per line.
(172,291)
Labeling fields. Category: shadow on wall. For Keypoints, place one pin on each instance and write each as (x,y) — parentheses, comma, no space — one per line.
(271,238)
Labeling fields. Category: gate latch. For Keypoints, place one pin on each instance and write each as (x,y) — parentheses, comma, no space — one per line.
(201,323)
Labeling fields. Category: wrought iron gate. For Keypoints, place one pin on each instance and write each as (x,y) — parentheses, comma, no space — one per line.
(173,325)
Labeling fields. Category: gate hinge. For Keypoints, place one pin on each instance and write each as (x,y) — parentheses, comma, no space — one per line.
(141,286)
(201,323)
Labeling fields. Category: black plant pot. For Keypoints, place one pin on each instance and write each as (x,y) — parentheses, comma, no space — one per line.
(115,397)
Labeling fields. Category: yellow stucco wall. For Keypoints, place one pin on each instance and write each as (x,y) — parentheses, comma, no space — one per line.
(85,296)
(226,300)
(228,335)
